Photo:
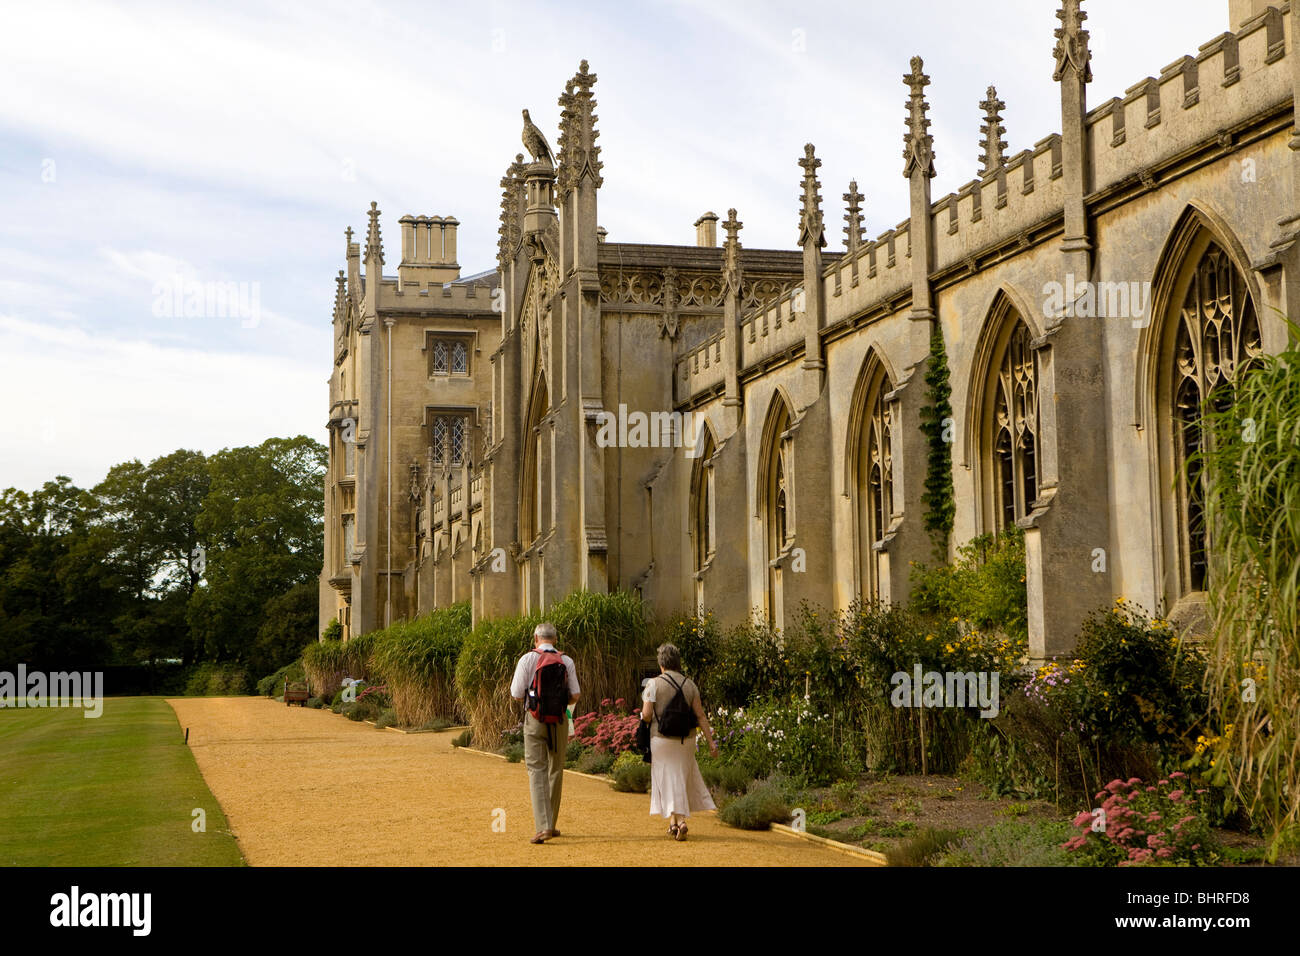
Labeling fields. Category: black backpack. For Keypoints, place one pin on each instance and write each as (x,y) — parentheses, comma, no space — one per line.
(678,718)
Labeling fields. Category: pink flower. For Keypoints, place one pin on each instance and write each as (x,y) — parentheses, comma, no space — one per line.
(1083,820)
(1151,789)
(1177,773)
(1176,795)
(1115,785)
(1164,853)
(1133,781)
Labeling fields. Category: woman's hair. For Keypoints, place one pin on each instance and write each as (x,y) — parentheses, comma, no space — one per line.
(670,658)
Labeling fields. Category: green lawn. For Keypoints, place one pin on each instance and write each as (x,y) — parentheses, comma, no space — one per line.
(117,790)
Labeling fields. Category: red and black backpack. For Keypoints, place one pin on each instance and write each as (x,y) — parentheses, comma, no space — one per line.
(548,695)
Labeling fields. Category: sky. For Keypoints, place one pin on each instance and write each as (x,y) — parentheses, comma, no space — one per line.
(151,150)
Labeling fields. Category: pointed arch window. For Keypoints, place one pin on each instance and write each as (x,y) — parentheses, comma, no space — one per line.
(703,526)
(1010,434)
(1216,340)
(777,505)
(875,477)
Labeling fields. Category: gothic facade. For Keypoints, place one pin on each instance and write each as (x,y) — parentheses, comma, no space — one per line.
(1090,291)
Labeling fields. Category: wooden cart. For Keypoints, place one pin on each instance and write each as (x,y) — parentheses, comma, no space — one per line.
(296,692)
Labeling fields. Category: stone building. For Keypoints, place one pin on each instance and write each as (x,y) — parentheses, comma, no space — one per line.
(739,430)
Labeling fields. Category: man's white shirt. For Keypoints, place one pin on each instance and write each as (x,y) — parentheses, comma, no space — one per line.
(528,663)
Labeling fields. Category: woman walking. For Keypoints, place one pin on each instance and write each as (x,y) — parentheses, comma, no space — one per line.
(676,785)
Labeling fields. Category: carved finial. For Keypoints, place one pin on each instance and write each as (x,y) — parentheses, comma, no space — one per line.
(340,296)
(374,244)
(348,233)
(918,144)
(731,252)
(1072,41)
(536,143)
(510,230)
(811,227)
(993,144)
(579,154)
(853,230)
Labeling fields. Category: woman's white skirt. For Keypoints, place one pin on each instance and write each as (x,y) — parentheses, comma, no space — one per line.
(676,784)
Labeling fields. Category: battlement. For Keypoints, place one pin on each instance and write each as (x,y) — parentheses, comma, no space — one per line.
(445,297)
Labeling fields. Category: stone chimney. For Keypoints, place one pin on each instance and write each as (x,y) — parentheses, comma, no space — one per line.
(706,230)
(428,250)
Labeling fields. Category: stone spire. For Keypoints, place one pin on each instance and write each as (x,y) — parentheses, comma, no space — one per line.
(918,144)
(374,244)
(731,270)
(811,227)
(1072,42)
(579,154)
(853,230)
(993,130)
(340,296)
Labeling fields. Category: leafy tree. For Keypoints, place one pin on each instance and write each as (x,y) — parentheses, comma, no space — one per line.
(937,425)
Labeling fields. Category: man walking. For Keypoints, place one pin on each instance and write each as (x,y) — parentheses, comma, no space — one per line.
(547,679)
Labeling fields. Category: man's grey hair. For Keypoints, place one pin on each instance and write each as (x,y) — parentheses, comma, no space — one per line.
(670,658)
(546,631)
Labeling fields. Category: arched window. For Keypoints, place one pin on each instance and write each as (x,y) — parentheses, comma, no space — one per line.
(775,484)
(1009,436)
(535,498)
(1214,340)
(703,504)
(874,471)
(703,513)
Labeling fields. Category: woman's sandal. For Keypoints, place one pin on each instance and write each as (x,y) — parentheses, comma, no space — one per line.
(680,835)
(672,830)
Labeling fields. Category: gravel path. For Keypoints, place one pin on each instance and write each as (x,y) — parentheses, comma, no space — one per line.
(308,787)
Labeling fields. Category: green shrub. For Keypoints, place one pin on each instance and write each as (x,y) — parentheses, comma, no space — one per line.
(314,703)
(595,762)
(763,804)
(273,684)
(438,724)
(333,631)
(573,752)
(922,848)
(337,706)
(417,662)
(387,718)
(463,739)
(1011,844)
(985,587)
(631,773)
(1128,704)
(725,776)
(514,752)
(217,680)
(786,737)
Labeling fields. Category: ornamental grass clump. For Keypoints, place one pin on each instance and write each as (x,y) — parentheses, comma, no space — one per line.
(327,663)
(607,635)
(417,660)
(1250,461)
(764,803)
(1141,823)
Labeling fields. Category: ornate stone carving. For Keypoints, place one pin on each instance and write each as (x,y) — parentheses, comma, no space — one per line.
(510,232)
(668,326)
(854,231)
(1072,42)
(811,228)
(993,144)
(374,243)
(731,268)
(918,144)
(579,154)
(536,143)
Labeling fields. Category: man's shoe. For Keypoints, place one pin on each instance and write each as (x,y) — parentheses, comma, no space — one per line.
(541,837)
(555,833)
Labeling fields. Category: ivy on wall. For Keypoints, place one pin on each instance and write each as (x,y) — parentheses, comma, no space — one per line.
(939,428)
